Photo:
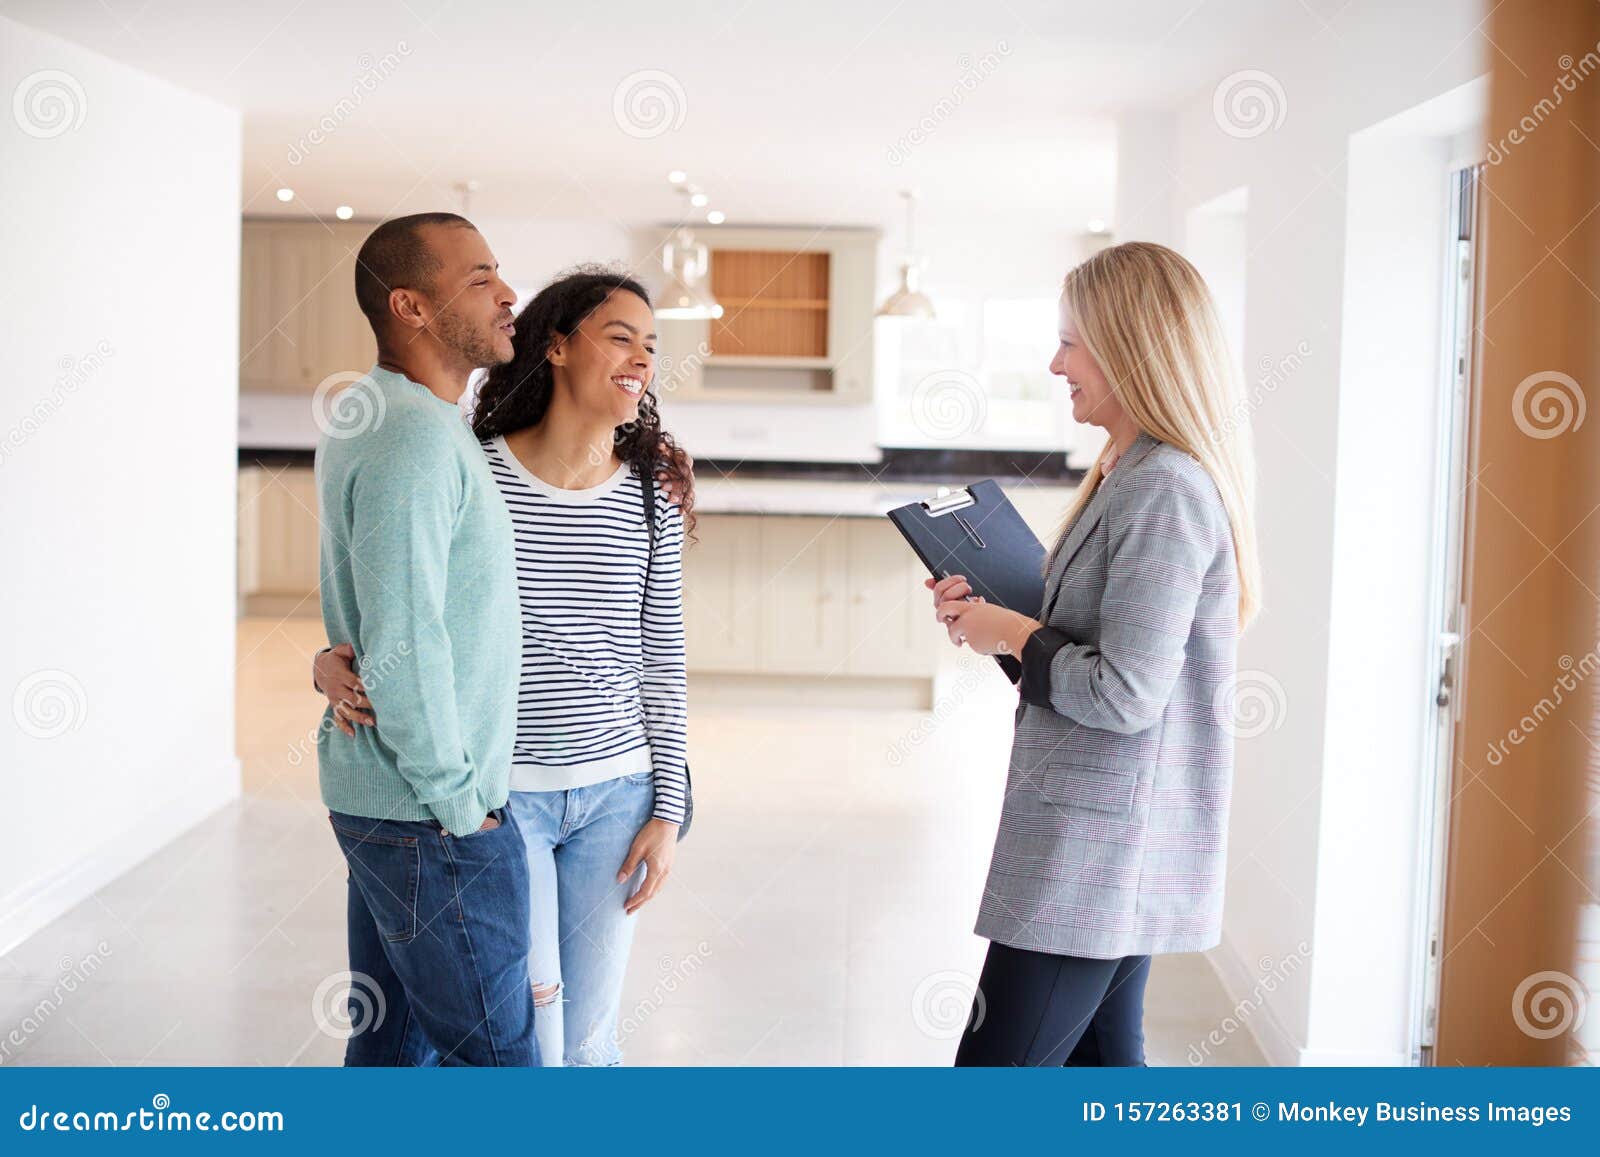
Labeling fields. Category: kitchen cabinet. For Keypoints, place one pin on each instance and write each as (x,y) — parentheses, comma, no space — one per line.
(278,541)
(298,319)
(797,596)
(806,596)
(802,609)
(797,323)
(890,619)
(722,591)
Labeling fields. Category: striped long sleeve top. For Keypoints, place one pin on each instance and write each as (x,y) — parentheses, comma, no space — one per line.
(603,691)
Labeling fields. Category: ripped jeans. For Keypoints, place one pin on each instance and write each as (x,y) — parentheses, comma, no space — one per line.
(580,935)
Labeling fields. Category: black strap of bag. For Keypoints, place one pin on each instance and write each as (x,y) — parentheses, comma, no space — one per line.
(647,492)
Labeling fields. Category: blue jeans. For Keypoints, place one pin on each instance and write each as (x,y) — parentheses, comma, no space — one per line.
(576,841)
(438,930)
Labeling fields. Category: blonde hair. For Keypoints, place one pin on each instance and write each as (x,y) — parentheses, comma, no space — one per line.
(1144,314)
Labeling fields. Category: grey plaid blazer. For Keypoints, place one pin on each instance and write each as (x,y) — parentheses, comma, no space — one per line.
(1113,834)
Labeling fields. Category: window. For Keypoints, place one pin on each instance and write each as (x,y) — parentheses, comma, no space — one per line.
(976,376)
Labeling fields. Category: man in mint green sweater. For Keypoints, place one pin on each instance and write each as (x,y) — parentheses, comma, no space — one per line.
(417,569)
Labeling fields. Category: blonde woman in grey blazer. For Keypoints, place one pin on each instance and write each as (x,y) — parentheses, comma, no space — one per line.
(1114,826)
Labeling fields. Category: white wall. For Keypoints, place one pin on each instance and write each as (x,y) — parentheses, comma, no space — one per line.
(1294,812)
(1216,238)
(1379,659)
(121,242)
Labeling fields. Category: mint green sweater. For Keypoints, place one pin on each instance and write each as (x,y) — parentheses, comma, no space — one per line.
(418,572)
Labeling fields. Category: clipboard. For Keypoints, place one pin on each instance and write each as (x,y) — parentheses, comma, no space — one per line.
(976,532)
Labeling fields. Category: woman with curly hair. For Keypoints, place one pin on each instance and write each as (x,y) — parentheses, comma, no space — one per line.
(599,783)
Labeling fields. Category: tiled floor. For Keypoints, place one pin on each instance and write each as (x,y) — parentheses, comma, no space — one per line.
(820,913)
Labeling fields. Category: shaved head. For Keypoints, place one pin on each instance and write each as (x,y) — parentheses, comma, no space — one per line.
(396,255)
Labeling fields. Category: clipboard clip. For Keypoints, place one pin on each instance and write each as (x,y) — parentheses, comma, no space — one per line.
(949,504)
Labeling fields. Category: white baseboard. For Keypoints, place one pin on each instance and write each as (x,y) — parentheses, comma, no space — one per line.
(29,908)
(1239,982)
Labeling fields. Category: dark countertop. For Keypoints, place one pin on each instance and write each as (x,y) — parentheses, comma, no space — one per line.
(899,464)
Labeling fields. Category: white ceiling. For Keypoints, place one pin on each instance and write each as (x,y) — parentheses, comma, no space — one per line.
(790,112)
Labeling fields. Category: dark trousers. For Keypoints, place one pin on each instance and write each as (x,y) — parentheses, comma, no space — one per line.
(1035,1008)
(438,931)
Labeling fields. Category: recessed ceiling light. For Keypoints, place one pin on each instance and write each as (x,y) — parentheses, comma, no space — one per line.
(677,176)
(716,217)
(344,212)
(1097,226)
(286,194)
(698,199)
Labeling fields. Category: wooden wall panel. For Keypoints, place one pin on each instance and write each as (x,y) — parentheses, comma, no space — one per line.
(1521,827)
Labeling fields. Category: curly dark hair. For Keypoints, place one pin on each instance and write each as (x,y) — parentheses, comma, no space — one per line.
(516,395)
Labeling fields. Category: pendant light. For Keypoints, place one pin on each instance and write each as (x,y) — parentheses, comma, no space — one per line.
(686,262)
(907,300)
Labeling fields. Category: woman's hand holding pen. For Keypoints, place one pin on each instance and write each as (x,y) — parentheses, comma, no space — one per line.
(986,628)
